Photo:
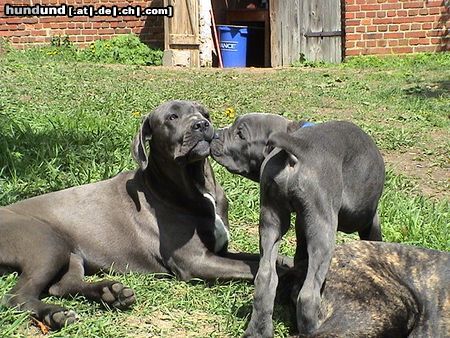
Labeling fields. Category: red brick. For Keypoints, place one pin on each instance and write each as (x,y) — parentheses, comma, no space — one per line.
(400,20)
(413,4)
(371,7)
(391,6)
(123,30)
(371,29)
(352,52)
(352,8)
(405,27)
(39,33)
(347,29)
(393,28)
(413,12)
(381,43)
(427,26)
(419,34)
(106,31)
(428,18)
(420,49)
(383,21)
(372,43)
(366,21)
(370,36)
(436,33)
(434,10)
(89,31)
(72,31)
(423,11)
(360,44)
(382,28)
(381,14)
(431,3)
(398,35)
(360,15)
(349,44)
(350,15)
(400,50)
(392,43)
(361,29)
(391,14)
(435,41)
(379,50)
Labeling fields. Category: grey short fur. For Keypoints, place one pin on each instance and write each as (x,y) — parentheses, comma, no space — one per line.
(331,175)
(169,216)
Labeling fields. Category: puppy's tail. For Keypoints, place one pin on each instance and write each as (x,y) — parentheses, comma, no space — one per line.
(287,142)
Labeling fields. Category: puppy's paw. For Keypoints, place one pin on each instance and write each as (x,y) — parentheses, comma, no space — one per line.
(58,319)
(118,296)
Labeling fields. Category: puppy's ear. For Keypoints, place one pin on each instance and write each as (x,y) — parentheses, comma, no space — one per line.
(138,149)
(293,126)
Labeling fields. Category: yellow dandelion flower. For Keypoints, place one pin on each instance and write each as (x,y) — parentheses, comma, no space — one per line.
(136,114)
(230,112)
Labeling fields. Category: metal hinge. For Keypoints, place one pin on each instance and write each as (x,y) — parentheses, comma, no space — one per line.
(322,34)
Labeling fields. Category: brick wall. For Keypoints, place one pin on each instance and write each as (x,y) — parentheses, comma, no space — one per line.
(396,26)
(27,31)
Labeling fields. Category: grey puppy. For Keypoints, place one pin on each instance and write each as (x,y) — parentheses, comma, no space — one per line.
(331,175)
(169,216)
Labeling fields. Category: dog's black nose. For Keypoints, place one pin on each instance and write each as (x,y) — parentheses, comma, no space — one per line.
(200,125)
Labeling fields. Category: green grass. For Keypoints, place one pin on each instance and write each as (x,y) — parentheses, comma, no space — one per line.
(65,123)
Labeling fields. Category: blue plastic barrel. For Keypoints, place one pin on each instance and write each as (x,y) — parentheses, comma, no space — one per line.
(233,45)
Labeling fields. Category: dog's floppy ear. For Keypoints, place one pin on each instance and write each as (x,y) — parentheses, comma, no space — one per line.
(138,149)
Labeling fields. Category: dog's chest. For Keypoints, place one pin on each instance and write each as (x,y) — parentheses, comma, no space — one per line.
(220,231)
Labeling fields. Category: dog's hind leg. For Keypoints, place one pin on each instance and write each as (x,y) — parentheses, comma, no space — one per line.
(373,230)
(36,274)
(320,231)
(112,293)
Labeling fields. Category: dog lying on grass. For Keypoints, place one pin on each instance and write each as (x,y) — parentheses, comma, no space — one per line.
(169,216)
(377,289)
(331,175)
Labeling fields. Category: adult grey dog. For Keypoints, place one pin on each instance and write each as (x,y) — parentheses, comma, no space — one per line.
(330,174)
(379,289)
(169,216)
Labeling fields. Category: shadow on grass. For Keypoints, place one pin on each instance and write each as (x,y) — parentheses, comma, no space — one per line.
(430,90)
(56,157)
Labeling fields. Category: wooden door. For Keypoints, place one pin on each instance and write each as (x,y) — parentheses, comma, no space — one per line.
(181,34)
(320,30)
(305,28)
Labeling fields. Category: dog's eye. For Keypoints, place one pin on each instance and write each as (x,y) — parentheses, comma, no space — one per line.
(173,117)
(241,135)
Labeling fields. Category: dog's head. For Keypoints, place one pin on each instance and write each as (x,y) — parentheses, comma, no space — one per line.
(242,147)
(176,130)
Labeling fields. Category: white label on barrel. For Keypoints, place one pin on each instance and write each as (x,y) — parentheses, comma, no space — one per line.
(229,46)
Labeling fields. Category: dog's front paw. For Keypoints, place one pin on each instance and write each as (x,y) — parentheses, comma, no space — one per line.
(118,296)
(261,331)
(57,320)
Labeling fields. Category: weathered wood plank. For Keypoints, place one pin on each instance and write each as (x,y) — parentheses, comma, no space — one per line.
(275,33)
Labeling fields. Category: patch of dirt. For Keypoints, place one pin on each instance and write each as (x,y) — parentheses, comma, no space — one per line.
(432,180)
(173,325)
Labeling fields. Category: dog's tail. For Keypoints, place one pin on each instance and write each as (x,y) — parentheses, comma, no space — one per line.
(287,142)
